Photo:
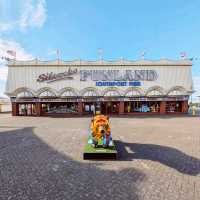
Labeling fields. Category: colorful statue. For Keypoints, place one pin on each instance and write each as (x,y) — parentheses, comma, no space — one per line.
(100,132)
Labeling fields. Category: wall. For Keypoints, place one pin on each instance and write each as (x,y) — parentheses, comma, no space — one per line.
(26,76)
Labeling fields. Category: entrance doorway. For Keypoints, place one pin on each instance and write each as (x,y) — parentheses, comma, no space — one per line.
(108,108)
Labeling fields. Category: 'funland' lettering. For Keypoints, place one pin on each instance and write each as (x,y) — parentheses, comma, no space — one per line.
(117,75)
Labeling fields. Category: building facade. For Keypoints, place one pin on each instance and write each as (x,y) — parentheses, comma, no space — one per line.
(5,105)
(38,88)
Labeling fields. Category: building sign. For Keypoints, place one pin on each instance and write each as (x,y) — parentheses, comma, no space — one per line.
(118,75)
(103,77)
(118,83)
(51,77)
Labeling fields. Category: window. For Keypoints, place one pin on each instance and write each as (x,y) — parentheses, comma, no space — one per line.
(47,93)
(24,94)
(173,106)
(133,93)
(142,106)
(27,109)
(54,107)
(68,93)
(111,93)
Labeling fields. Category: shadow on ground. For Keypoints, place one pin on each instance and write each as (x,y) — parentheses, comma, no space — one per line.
(31,169)
(165,155)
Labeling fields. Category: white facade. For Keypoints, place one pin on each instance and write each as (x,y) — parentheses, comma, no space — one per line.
(156,78)
(5,105)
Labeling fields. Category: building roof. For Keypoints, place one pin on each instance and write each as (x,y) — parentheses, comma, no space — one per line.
(121,62)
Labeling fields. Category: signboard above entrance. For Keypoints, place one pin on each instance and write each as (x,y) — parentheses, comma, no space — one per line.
(118,75)
(100,75)
(51,77)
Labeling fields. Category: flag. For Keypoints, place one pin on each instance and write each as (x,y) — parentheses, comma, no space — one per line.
(5,58)
(193,58)
(58,54)
(183,54)
(11,52)
(143,54)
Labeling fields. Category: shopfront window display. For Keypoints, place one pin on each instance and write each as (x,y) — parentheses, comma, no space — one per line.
(60,107)
(89,108)
(139,106)
(27,109)
(173,106)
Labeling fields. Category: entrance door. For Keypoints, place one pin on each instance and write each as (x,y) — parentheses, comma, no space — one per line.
(103,108)
(108,108)
(115,107)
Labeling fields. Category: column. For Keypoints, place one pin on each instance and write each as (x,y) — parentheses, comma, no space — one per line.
(80,108)
(121,107)
(15,109)
(38,108)
(162,107)
(184,106)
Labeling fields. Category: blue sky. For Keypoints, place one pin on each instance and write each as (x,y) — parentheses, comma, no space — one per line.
(163,29)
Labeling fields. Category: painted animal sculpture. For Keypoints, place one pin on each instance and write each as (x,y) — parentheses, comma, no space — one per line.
(100,131)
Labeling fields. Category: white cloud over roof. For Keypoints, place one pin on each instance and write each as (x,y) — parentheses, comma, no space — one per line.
(31,14)
(34,15)
(21,54)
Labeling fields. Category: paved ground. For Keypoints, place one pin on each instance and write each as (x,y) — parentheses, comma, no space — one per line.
(41,158)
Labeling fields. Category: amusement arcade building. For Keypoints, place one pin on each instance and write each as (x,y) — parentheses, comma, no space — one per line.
(38,88)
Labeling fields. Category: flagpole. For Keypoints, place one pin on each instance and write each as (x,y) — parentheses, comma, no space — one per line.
(15,57)
(100,53)
(143,54)
(58,55)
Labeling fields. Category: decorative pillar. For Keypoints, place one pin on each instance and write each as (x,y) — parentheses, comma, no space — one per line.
(121,107)
(80,108)
(162,107)
(184,106)
(15,109)
(38,108)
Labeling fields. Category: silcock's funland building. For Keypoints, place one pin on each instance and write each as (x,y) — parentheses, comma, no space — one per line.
(38,88)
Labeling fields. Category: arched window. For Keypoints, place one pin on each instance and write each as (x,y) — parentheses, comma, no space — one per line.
(47,93)
(89,92)
(155,91)
(111,92)
(133,91)
(177,91)
(68,93)
(25,94)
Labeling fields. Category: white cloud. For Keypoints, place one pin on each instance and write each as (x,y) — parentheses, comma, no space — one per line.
(6,26)
(32,14)
(21,54)
(3,72)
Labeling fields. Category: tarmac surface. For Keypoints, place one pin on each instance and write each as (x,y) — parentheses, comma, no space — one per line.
(41,158)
